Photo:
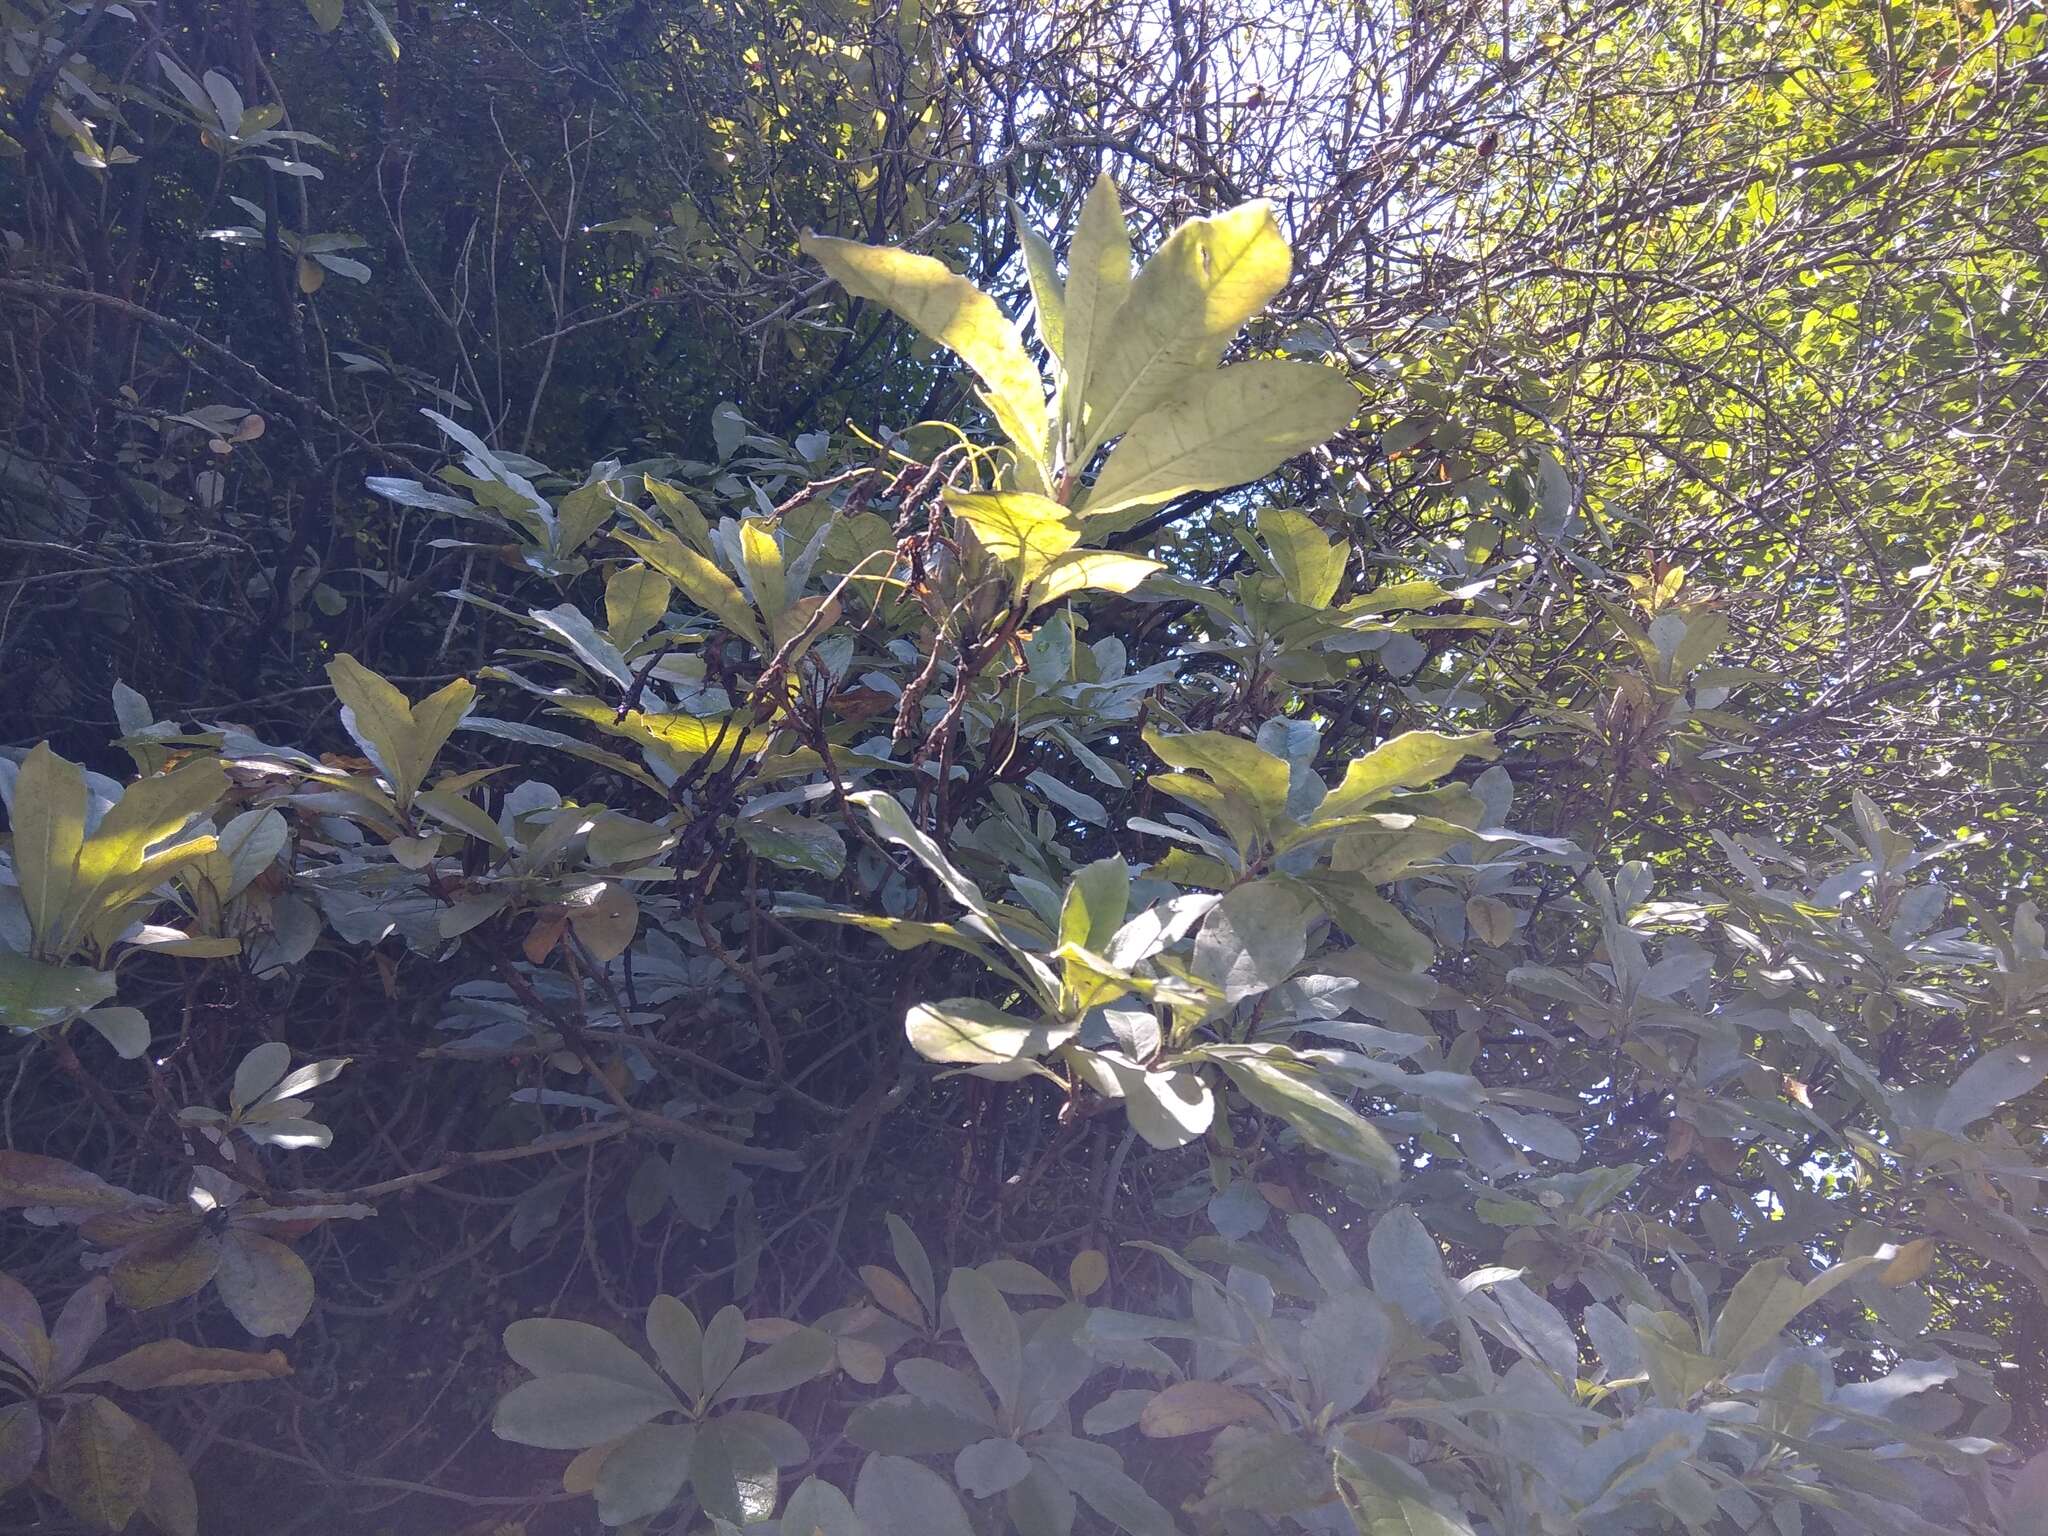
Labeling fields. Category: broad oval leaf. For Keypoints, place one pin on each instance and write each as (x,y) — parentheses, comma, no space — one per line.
(895,1494)
(570,1410)
(989,1467)
(1234,426)
(556,1346)
(968,1032)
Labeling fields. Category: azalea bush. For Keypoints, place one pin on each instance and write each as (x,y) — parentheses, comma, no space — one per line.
(1397,1166)
(1169,768)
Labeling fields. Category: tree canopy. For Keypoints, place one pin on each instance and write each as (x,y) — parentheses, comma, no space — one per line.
(1150,765)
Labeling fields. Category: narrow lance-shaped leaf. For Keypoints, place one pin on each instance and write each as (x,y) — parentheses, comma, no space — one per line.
(1098,282)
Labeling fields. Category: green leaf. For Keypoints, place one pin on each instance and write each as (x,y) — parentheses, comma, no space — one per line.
(1041,1505)
(34,995)
(1410,759)
(795,842)
(1346,1342)
(1097,898)
(1767,1298)
(1048,296)
(1269,1472)
(761,560)
(1324,1121)
(1089,570)
(1104,1486)
(99,1463)
(1232,764)
(954,313)
(966,1031)
(635,598)
(1389,1498)
(259,1072)
(559,1346)
(725,1340)
(1310,565)
(893,1495)
(941,1386)
(326,14)
(989,1328)
(21,1444)
(1023,533)
(678,1342)
(733,1473)
(908,1427)
(575,630)
(582,512)
(568,1411)
(403,738)
(819,1509)
(1252,940)
(700,581)
(382,28)
(1233,426)
(1184,306)
(1168,1109)
(47,818)
(264,1284)
(131,852)
(894,823)
(1995,1078)
(789,1362)
(989,1467)
(644,1473)
(1371,921)
(1098,282)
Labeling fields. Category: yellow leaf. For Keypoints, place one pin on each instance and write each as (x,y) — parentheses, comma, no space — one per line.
(762,558)
(892,1295)
(403,737)
(682,515)
(1185,304)
(1098,282)
(1088,1273)
(1021,532)
(635,598)
(1086,570)
(125,858)
(311,275)
(1195,1407)
(1910,1263)
(954,313)
(1047,294)
(49,828)
(99,1463)
(1491,918)
(701,582)
(1229,427)
(605,917)
(580,1476)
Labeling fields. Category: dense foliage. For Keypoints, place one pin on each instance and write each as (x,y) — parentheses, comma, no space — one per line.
(1167,767)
